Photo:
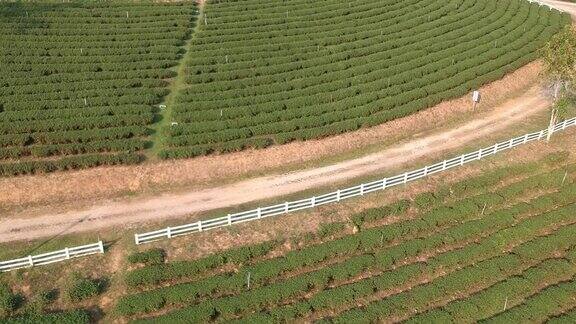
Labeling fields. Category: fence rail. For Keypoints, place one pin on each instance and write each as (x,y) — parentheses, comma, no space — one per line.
(51,257)
(346,193)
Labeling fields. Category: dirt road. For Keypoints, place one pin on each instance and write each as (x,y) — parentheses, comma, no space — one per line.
(182,204)
(562,5)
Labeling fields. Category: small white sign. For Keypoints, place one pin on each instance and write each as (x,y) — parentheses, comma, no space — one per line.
(174,124)
(476,96)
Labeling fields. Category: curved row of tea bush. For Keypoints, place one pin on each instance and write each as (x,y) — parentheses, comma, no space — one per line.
(437,216)
(460,221)
(262,298)
(80,79)
(275,78)
(71,317)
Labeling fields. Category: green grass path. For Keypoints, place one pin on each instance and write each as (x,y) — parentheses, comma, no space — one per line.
(164,116)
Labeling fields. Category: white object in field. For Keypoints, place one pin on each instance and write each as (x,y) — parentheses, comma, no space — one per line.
(174,124)
(162,107)
(476,96)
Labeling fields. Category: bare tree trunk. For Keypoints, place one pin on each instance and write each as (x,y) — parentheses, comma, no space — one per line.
(551,125)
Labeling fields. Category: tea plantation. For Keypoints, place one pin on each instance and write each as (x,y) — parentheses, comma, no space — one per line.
(497,247)
(263,72)
(80,80)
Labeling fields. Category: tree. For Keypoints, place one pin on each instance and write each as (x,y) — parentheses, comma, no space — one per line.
(559,56)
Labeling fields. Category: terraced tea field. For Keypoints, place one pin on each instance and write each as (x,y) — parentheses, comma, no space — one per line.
(80,80)
(264,72)
(494,244)
(497,247)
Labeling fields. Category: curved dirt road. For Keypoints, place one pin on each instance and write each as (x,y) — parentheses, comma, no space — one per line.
(562,5)
(182,204)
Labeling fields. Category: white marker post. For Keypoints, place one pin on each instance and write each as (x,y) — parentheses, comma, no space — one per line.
(475,99)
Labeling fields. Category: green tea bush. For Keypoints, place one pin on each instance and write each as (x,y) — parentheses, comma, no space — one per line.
(425,200)
(296,78)
(148,257)
(70,317)
(8,300)
(79,84)
(375,214)
(329,229)
(83,288)
(469,246)
(157,273)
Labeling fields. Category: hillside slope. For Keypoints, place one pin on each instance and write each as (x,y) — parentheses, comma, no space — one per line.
(262,72)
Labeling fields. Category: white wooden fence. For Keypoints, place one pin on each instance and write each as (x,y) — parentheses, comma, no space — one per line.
(360,190)
(51,257)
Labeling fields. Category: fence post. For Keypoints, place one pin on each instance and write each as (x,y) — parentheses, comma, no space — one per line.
(169,232)
(384,183)
(461,159)
(362,189)
(229,219)
(425,170)
(286,207)
(30,261)
(526,137)
(67,253)
(313,200)
(443,165)
(338,195)
(479,154)
(136,239)
(259,212)
(101,246)
(199,226)
(405,177)
(495,148)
